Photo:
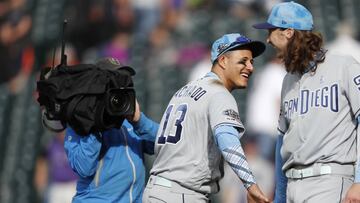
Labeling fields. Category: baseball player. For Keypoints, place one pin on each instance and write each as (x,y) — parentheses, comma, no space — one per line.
(201,126)
(320,103)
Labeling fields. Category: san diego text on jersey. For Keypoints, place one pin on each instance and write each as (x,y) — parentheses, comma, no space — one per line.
(326,97)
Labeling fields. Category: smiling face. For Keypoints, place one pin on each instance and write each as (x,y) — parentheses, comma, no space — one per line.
(237,68)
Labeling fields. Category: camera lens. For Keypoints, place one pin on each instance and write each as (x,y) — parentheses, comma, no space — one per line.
(119,103)
(115,100)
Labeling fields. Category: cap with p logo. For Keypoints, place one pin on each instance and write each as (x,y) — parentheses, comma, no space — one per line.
(232,41)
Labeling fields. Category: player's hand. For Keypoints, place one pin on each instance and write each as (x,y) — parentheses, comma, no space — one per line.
(136,117)
(255,195)
(353,194)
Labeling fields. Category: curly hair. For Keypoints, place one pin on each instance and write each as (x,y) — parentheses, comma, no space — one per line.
(301,50)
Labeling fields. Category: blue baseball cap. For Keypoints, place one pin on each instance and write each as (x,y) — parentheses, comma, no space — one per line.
(288,15)
(235,41)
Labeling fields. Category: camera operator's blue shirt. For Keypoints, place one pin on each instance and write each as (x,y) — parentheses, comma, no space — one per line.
(110,165)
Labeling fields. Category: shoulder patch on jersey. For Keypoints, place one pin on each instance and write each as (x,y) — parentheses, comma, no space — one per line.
(232,115)
(357,81)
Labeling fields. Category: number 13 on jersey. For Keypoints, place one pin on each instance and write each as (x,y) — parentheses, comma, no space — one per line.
(175,128)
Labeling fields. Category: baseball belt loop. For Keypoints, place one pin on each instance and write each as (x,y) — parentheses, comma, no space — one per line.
(292,173)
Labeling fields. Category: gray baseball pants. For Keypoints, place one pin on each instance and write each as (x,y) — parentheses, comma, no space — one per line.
(326,188)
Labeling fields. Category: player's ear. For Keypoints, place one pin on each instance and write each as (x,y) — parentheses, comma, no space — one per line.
(222,61)
(289,33)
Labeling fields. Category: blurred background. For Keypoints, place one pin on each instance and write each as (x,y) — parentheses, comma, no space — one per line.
(168,43)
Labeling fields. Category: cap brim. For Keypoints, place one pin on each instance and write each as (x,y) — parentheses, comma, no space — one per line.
(264,26)
(129,69)
(256,47)
(105,64)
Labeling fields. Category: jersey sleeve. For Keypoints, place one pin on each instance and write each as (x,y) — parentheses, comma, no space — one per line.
(282,123)
(357,172)
(223,110)
(352,88)
(229,144)
(280,178)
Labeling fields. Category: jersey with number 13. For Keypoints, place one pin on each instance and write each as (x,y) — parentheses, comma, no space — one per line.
(185,148)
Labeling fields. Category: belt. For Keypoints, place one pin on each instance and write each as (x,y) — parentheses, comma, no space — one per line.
(320,169)
(173,186)
(161,181)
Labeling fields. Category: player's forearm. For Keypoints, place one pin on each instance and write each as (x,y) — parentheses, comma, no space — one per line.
(236,159)
(227,139)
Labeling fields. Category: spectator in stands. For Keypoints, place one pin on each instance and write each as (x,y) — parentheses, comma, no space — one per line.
(118,46)
(15,28)
(54,178)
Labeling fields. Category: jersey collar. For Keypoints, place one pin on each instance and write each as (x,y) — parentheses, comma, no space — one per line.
(212,75)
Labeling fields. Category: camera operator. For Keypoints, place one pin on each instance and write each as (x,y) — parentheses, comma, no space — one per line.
(110,163)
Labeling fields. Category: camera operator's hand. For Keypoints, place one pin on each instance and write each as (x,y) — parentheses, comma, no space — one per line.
(135,118)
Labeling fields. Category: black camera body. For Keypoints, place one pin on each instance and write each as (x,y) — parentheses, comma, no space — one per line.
(87,97)
(90,98)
